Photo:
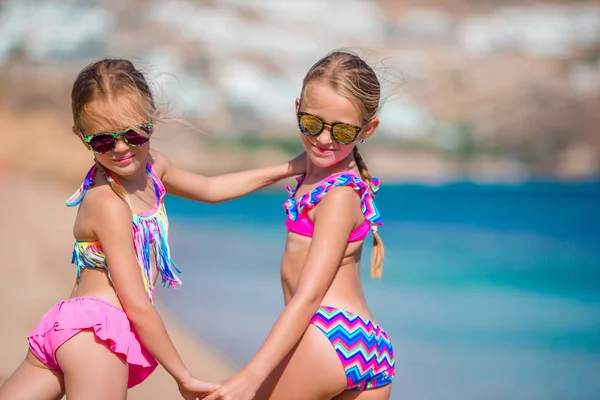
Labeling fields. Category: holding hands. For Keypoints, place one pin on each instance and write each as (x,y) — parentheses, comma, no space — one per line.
(192,388)
(241,386)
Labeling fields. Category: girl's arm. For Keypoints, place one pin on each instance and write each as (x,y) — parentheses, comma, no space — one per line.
(225,187)
(112,227)
(333,223)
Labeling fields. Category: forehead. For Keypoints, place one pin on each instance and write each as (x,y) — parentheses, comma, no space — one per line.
(112,115)
(321,99)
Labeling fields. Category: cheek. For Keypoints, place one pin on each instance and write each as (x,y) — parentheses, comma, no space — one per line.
(305,141)
(343,151)
(142,150)
(104,159)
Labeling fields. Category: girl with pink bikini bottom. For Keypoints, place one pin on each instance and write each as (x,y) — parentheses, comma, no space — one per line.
(107,336)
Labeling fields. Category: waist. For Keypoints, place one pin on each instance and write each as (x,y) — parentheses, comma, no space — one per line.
(95,283)
(345,291)
(91,269)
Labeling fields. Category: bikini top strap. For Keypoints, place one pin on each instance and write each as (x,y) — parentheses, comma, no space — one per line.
(291,191)
(158,185)
(78,196)
(117,187)
(88,181)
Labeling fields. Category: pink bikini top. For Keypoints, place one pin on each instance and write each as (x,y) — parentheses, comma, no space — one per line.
(298,220)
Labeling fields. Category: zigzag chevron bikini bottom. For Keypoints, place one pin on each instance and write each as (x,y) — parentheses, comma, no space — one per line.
(363,348)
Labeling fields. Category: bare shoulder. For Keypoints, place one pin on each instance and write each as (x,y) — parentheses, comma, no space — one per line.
(159,162)
(341,196)
(339,202)
(102,204)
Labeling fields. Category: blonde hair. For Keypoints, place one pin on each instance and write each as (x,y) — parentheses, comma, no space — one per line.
(353,78)
(111,80)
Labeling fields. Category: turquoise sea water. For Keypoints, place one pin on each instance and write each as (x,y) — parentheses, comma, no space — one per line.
(489,291)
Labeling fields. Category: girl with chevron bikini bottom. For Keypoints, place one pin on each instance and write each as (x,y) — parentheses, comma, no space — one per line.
(326,343)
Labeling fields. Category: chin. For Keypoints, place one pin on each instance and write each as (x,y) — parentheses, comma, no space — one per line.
(323,162)
(132,168)
(129,170)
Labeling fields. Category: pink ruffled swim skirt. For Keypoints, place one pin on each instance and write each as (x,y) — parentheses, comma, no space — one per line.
(110,325)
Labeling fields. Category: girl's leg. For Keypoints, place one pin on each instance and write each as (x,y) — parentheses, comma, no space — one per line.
(33,380)
(91,371)
(312,371)
(382,393)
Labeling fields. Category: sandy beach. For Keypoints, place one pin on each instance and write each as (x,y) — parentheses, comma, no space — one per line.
(36,248)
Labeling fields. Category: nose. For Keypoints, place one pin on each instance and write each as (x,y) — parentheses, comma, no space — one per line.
(121,146)
(325,137)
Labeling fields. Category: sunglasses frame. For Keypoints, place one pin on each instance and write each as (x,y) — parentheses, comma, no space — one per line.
(300,114)
(116,135)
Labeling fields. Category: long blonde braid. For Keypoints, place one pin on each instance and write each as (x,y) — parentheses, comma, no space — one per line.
(378,251)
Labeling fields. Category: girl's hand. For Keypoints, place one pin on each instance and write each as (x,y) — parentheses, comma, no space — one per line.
(241,386)
(297,166)
(192,388)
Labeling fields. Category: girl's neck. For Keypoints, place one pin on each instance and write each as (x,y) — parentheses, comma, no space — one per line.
(134,182)
(314,171)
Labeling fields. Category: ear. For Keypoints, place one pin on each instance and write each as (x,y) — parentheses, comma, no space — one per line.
(370,129)
(297,104)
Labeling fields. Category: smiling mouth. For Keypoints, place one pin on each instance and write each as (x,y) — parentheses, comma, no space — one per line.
(321,149)
(124,158)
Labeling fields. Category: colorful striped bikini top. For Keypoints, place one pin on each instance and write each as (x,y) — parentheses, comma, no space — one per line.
(298,220)
(150,233)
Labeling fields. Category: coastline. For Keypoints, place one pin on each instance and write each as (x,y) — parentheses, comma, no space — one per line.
(37,274)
